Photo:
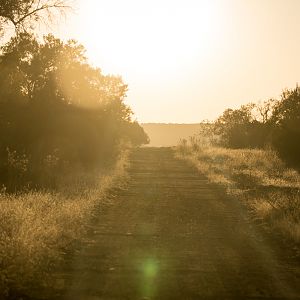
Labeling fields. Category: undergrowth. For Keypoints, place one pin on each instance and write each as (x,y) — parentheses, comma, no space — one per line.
(258,177)
(37,228)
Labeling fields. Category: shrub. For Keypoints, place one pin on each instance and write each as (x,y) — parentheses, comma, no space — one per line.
(286,124)
(57,112)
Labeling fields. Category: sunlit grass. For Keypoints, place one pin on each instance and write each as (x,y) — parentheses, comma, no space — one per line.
(36,228)
(259,177)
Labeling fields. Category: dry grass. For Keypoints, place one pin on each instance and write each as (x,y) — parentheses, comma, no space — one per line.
(258,177)
(36,228)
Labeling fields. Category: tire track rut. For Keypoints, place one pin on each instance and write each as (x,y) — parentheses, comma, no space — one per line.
(173,235)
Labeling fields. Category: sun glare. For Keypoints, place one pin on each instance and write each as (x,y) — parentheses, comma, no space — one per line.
(175,53)
(147,38)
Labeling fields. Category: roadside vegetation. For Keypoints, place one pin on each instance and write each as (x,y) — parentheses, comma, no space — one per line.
(65,136)
(39,227)
(254,153)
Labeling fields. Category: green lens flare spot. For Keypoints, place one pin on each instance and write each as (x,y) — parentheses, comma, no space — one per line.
(150,268)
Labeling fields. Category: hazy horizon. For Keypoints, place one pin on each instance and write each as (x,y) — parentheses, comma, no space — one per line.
(169,134)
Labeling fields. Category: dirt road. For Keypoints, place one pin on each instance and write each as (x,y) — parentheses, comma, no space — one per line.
(172,235)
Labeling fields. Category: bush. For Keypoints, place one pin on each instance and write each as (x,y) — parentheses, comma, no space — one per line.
(240,129)
(286,124)
(58,113)
(37,228)
(274,123)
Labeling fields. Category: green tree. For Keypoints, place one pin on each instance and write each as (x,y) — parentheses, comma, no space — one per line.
(53,101)
(246,127)
(54,70)
(286,125)
(233,126)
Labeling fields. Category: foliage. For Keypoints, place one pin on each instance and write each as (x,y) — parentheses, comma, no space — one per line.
(38,228)
(239,128)
(286,123)
(64,131)
(53,104)
(274,123)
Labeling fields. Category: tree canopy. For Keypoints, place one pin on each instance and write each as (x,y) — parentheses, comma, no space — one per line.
(53,101)
(275,123)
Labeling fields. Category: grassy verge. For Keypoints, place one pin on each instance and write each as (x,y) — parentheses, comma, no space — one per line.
(36,228)
(257,177)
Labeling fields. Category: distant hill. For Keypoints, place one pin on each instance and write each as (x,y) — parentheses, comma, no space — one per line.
(165,135)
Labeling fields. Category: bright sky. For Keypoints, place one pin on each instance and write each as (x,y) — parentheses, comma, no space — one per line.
(188,60)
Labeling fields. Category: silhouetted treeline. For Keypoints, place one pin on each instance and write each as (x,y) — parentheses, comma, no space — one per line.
(58,113)
(274,123)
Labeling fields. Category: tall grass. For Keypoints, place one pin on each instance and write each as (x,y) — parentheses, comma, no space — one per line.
(37,228)
(258,177)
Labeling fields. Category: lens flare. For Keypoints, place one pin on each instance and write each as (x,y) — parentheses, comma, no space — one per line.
(150,268)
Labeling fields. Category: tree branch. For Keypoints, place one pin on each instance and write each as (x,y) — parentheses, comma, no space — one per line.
(37,10)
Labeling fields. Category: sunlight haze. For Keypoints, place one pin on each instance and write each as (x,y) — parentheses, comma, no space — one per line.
(186,61)
(149,149)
